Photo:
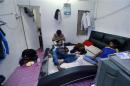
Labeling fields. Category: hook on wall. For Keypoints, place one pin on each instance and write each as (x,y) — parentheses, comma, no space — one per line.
(87,11)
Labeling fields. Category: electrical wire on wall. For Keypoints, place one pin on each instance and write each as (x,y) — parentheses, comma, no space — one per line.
(4,17)
(13,15)
(23,27)
(16,14)
(29,3)
(110,14)
(115,12)
(96,8)
(19,16)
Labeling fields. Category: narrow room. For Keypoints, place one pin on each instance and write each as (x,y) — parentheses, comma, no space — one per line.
(64,42)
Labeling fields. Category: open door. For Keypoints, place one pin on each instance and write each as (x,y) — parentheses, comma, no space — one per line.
(31,21)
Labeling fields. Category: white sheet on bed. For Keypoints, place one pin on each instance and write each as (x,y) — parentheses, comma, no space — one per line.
(92,49)
(79,62)
(70,48)
(51,67)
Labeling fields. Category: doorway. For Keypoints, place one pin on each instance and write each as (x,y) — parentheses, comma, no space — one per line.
(31,22)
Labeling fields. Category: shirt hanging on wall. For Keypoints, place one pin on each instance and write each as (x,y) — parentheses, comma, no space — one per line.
(85,21)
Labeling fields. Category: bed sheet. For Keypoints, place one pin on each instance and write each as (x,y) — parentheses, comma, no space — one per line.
(79,62)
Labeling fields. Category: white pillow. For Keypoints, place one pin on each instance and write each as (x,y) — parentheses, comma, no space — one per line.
(94,50)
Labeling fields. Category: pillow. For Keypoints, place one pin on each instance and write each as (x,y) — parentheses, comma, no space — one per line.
(94,50)
(98,36)
(87,43)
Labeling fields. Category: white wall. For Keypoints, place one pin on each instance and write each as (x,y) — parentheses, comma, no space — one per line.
(14,35)
(69,23)
(113,17)
(30,31)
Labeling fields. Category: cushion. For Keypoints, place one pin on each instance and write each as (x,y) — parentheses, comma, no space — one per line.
(120,39)
(93,49)
(98,44)
(107,38)
(98,36)
(100,40)
(88,43)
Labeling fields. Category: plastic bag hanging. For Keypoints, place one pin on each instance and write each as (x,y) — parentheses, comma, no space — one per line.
(57,16)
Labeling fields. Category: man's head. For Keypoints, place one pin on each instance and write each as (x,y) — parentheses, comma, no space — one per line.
(114,43)
(58,32)
(28,55)
(79,46)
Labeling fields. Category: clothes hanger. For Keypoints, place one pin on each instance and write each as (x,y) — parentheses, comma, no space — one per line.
(2,23)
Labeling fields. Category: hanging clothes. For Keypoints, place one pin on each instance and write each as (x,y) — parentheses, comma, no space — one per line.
(85,21)
(2,31)
(57,16)
(4,48)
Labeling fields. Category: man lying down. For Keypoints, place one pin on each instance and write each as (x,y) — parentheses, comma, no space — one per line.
(70,59)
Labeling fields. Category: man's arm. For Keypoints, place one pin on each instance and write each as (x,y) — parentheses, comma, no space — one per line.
(54,38)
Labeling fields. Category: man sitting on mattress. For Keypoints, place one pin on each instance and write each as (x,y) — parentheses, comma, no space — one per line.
(62,53)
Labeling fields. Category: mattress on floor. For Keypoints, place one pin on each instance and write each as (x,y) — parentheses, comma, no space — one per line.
(51,67)
(79,62)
